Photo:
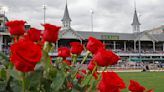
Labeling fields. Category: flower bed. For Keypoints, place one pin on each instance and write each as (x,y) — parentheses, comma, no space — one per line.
(30,68)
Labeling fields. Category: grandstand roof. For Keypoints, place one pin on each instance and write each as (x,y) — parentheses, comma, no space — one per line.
(122,36)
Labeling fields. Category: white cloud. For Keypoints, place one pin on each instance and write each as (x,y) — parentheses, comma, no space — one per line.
(109,15)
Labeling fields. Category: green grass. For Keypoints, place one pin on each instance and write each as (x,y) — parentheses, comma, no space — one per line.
(149,80)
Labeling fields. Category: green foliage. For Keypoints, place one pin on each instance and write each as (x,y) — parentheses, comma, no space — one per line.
(4,59)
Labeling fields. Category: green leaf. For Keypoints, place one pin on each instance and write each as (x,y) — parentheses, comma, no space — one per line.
(2,86)
(58,81)
(4,59)
(75,90)
(15,74)
(87,79)
(15,86)
(2,74)
(33,79)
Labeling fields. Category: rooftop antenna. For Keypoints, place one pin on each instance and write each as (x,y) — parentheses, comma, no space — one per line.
(92,12)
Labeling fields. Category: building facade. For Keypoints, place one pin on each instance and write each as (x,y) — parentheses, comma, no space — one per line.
(145,46)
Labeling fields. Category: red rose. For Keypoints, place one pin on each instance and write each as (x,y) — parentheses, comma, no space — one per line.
(76,48)
(105,58)
(34,34)
(69,85)
(150,90)
(93,45)
(51,32)
(111,82)
(78,76)
(84,71)
(91,65)
(24,55)
(114,58)
(63,52)
(95,75)
(16,27)
(67,62)
(135,87)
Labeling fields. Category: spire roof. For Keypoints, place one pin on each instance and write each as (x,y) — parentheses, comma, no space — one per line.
(66,15)
(135,19)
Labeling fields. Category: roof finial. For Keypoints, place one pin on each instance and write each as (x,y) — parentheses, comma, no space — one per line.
(134,4)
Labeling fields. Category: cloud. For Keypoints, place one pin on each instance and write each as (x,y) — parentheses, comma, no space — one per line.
(109,15)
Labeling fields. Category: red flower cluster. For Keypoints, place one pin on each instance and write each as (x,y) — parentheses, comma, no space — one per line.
(105,58)
(111,82)
(67,62)
(16,27)
(34,34)
(150,90)
(76,48)
(135,87)
(91,65)
(63,52)
(51,33)
(101,56)
(80,75)
(93,45)
(24,52)
(24,55)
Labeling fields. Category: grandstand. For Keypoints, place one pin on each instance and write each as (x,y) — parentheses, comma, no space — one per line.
(145,46)
(126,45)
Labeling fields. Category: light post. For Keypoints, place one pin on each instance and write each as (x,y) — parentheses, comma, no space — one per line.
(91,11)
(4,9)
(139,42)
(44,13)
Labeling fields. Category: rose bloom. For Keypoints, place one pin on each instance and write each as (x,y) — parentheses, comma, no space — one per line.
(105,58)
(111,82)
(67,62)
(135,87)
(93,45)
(95,75)
(51,33)
(25,55)
(84,71)
(79,76)
(76,48)
(91,65)
(63,52)
(34,34)
(150,90)
(16,27)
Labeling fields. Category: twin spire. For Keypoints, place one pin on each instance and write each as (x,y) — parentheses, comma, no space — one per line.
(66,20)
(135,24)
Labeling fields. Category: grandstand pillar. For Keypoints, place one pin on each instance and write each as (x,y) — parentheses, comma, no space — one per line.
(124,45)
(1,43)
(154,46)
(134,45)
(114,45)
(163,46)
(57,45)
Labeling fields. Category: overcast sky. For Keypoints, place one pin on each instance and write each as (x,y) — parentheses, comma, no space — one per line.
(109,15)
